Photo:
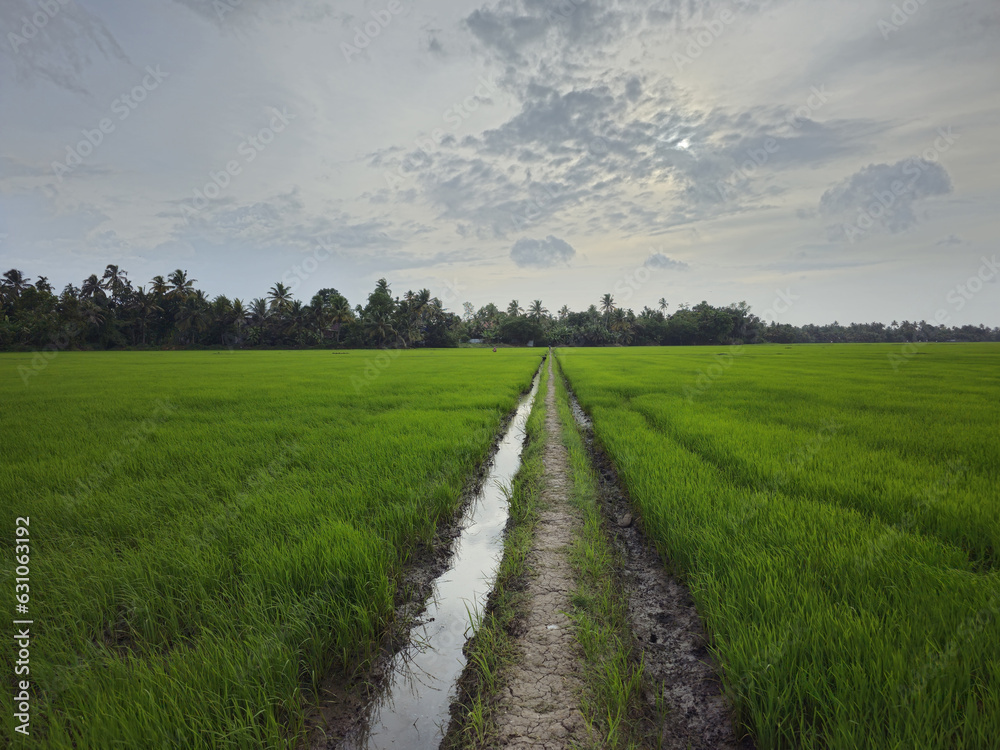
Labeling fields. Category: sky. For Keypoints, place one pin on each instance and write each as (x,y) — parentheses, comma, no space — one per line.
(822,161)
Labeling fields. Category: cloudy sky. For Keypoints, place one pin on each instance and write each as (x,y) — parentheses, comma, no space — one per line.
(820,160)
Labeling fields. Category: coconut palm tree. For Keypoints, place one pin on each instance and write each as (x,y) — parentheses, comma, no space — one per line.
(43,284)
(193,316)
(607,305)
(182,286)
(91,288)
(279,298)
(563,312)
(259,311)
(514,308)
(240,317)
(379,328)
(158,286)
(536,311)
(340,313)
(663,305)
(145,307)
(116,281)
(14,282)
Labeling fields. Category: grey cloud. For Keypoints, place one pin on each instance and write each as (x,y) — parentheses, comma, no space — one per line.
(58,50)
(659,260)
(881,197)
(951,239)
(541,253)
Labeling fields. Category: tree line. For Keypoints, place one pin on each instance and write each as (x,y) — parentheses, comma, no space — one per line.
(110,312)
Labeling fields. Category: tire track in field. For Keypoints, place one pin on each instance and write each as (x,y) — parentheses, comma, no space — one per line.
(666,626)
(539,708)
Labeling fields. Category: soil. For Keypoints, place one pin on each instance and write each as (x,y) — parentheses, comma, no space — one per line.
(665,626)
(540,704)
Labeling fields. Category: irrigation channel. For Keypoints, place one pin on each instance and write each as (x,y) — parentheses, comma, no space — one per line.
(412,711)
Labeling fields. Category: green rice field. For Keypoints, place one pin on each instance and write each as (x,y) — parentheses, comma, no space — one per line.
(211,532)
(835,511)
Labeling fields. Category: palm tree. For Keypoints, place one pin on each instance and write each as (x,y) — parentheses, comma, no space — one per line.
(91,287)
(280,298)
(14,282)
(379,328)
(259,311)
(240,315)
(115,281)
(145,308)
(193,315)
(563,312)
(340,313)
(663,304)
(43,284)
(607,305)
(421,301)
(183,287)
(158,286)
(514,308)
(536,311)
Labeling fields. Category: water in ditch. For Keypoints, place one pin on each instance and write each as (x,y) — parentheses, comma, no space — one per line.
(412,711)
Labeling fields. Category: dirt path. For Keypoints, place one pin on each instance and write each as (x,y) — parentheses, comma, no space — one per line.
(540,708)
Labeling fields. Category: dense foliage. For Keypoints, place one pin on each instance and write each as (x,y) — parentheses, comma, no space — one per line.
(109,312)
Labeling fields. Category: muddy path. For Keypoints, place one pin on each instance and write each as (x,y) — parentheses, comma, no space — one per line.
(666,627)
(539,707)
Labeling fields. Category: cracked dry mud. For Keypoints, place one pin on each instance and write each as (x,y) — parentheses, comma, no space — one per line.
(540,705)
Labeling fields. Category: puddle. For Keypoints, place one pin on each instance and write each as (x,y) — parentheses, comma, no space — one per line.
(413,709)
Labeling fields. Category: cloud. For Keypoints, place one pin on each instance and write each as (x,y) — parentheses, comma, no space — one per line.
(881,197)
(545,253)
(951,239)
(56,44)
(659,260)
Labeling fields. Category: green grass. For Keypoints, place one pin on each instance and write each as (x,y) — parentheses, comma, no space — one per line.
(836,518)
(212,532)
(613,704)
(492,651)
